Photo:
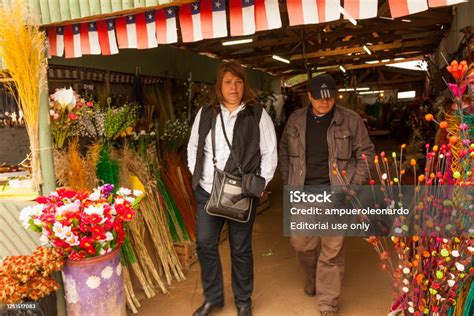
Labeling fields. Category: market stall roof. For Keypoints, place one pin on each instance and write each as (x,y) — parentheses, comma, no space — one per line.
(328,46)
(61,11)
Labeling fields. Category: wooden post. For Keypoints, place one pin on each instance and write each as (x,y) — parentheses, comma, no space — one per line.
(49,178)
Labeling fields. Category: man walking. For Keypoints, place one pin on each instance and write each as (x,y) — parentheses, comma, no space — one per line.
(315,138)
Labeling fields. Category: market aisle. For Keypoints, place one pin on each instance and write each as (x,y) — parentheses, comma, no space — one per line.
(278,279)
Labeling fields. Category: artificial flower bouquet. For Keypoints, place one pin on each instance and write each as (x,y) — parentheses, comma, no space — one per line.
(66,108)
(83,224)
(27,278)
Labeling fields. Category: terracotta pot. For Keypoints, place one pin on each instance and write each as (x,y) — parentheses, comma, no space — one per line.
(94,286)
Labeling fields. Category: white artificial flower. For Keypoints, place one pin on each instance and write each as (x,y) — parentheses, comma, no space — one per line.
(37,210)
(109,236)
(25,214)
(94,196)
(411,310)
(470,248)
(37,222)
(405,289)
(113,211)
(94,209)
(118,270)
(142,132)
(107,272)
(406,270)
(406,282)
(65,233)
(58,229)
(93,282)
(124,191)
(71,207)
(459,266)
(152,133)
(73,240)
(66,98)
(455,253)
(102,252)
(118,200)
(44,239)
(451,283)
(130,199)
(137,193)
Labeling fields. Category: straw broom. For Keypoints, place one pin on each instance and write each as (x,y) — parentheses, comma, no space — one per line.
(22,48)
(154,215)
(128,158)
(133,165)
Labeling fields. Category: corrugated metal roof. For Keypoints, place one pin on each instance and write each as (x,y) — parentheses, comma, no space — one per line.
(58,11)
(14,238)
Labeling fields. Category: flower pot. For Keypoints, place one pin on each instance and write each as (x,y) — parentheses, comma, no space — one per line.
(94,286)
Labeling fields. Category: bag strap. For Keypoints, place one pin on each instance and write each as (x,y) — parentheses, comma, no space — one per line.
(237,163)
(213,138)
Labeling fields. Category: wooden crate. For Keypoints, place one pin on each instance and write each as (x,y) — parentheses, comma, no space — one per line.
(186,251)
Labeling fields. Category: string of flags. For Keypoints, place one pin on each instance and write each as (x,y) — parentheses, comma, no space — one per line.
(207,19)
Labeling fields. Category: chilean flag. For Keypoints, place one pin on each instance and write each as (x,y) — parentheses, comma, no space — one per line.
(56,41)
(213,18)
(190,22)
(90,39)
(361,9)
(107,41)
(126,31)
(72,41)
(242,17)
(400,8)
(137,31)
(267,15)
(442,3)
(146,30)
(166,26)
(312,11)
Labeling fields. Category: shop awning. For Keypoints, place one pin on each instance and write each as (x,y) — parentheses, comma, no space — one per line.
(60,11)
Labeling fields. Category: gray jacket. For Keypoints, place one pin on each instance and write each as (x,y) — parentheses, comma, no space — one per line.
(347,140)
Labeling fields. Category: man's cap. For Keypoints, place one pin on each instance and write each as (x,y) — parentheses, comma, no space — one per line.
(323,86)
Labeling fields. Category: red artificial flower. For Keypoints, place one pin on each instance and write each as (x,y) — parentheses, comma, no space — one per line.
(108,225)
(89,104)
(66,193)
(91,251)
(128,215)
(47,218)
(86,243)
(42,200)
(97,233)
(77,255)
(94,218)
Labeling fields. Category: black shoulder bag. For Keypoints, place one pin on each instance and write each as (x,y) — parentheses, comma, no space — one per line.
(232,196)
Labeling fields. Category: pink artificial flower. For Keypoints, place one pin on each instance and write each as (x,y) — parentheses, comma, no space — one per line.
(456,90)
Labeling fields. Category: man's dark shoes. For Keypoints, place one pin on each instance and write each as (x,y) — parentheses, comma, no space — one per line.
(310,287)
(244,311)
(207,308)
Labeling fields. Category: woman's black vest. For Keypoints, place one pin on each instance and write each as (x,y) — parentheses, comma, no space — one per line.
(245,141)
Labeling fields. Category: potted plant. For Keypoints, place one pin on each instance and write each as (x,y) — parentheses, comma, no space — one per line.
(89,228)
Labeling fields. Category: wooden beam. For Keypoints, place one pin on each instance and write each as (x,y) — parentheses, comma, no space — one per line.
(374,48)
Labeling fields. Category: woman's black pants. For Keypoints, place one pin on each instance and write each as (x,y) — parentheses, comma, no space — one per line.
(240,239)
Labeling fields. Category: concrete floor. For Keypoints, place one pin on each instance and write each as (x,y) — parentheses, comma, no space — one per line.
(279,280)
